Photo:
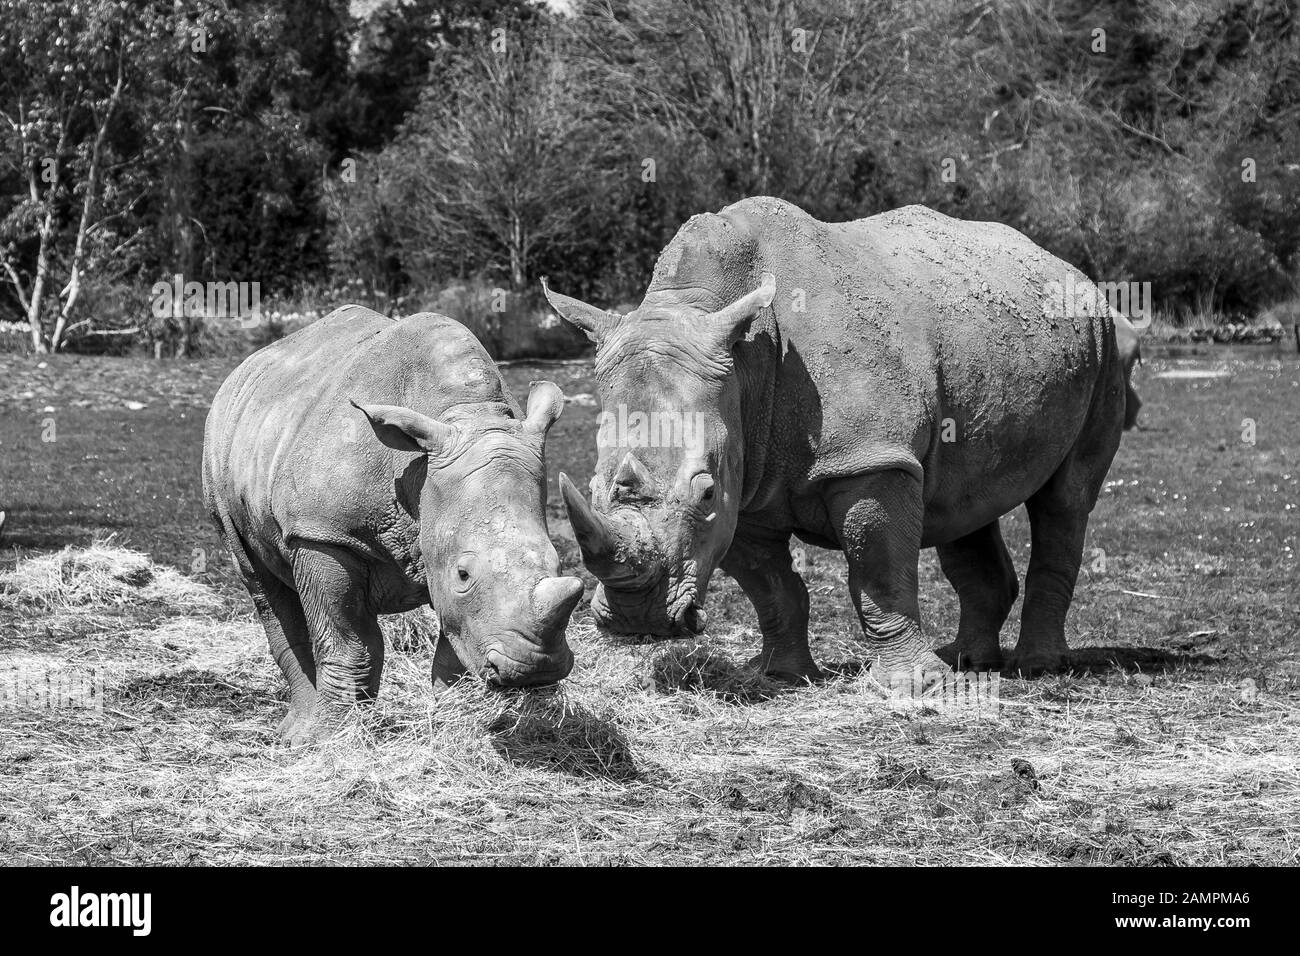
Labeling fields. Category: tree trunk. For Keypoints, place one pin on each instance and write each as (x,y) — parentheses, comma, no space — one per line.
(37,298)
(184,251)
(518,280)
(73,289)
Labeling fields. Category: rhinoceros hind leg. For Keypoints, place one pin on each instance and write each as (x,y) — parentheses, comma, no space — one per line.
(877,520)
(1058,521)
(347,641)
(1054,560)
(762,568)
(281,614)
(980,570)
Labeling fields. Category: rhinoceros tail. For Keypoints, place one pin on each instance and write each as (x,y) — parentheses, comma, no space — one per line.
(1132,403)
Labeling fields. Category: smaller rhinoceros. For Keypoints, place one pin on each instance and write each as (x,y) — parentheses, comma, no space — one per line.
(367,466)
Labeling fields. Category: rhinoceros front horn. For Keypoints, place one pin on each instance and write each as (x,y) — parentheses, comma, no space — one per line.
(553,602)
(596,536)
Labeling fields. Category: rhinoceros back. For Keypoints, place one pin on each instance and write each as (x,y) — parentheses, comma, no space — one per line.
(287,456)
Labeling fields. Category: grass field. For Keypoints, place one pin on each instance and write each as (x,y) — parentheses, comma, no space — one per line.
(1178,744)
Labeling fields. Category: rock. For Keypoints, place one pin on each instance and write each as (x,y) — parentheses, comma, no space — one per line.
(1249,691)
(1023,768)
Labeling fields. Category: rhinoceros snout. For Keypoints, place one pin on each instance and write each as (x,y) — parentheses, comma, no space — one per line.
(645,614)
(503,669)
(538,655)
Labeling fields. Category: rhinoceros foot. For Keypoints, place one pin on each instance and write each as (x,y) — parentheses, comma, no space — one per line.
(297,730)
(1036,664)
(965,660)
(303,729)
(791,668)
(911,678)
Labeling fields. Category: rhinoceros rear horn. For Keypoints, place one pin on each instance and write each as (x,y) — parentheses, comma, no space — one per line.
(597,323)
(596,536)
(729,324)
(631,474)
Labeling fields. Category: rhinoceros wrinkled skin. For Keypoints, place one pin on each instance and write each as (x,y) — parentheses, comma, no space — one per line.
(875,387)
(365,466)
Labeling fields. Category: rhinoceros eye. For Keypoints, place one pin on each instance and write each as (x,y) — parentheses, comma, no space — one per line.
(465,572)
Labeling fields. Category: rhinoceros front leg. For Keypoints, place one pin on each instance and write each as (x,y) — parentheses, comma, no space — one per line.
(877,519)
(447,667)
(347,642)
(761,566)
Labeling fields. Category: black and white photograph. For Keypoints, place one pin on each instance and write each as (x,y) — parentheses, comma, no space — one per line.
(650,433)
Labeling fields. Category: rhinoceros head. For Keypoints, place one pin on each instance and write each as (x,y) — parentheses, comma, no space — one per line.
(491,569)
(666,492)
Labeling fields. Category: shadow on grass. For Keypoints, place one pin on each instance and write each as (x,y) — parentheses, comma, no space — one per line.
(699,669)
(191,688)
(559,735)
(1082,661)
(1096,659)
(1104,660)
(844,669)
(46,527)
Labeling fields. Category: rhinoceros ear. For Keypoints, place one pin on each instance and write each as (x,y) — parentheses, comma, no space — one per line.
(545,403)
(407,430)
(728,324)
(597,323)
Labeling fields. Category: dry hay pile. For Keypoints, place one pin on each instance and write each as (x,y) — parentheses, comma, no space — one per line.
(101,576)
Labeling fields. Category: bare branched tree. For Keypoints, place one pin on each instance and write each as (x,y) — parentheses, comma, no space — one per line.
(503,169)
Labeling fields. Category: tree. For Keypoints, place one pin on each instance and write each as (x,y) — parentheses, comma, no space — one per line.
(784,95)
(503,170)
(64,80)
(147,139)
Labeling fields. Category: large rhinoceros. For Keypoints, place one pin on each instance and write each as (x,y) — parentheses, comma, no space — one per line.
(877,387)
(336,511)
